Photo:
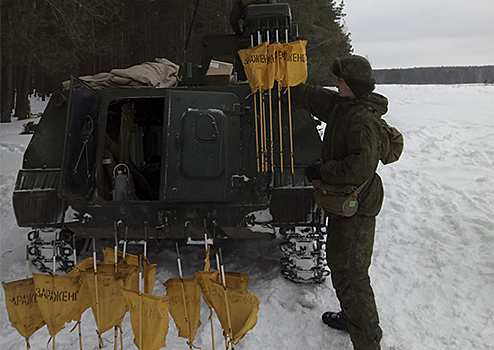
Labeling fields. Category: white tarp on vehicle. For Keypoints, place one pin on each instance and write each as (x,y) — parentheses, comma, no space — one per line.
(159,73)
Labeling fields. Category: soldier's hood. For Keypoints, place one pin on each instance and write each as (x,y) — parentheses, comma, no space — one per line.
(376,101)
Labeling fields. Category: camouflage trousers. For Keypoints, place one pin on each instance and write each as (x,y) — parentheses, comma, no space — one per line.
(349,249)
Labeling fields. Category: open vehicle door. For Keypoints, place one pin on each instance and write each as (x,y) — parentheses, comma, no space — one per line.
(78,176)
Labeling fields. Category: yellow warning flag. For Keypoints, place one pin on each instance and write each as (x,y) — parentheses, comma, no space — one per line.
(271,70)
(76,273)
(187,324)
(130,259)
(255,60)
(22,306)
(295,71)
(149,274)
(281,54)
(109,257)
(207,260)
(59,300)
(111,305)
(84,265)
(199,277)
(130,274)
(242,304)
(149,270)
(149,318)
(235,280)
(276,62)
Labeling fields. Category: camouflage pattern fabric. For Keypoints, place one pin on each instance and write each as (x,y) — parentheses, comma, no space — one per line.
(353,140)
(349,250)
(351,150)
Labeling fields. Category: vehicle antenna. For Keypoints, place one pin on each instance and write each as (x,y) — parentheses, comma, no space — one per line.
(190,31)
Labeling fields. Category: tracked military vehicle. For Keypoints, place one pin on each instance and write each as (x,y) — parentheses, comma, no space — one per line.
(175,163)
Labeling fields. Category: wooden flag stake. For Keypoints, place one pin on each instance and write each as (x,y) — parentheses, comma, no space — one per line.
(27,261)
(223,281)
(290,126)
(100,341)
(183,294)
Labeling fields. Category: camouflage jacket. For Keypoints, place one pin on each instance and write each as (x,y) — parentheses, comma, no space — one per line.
(353,140)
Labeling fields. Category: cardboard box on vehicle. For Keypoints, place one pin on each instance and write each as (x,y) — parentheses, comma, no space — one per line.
(219,73)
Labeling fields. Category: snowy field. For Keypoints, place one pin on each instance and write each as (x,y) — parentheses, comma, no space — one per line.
(433,266)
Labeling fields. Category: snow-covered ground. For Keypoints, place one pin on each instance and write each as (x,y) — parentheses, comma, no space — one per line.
(433,266)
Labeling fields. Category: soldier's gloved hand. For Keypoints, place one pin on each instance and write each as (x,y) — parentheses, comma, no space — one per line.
(313,172)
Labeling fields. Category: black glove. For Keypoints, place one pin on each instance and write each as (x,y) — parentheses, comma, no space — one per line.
(313,172)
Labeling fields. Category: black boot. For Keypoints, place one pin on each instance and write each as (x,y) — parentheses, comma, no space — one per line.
(336,320)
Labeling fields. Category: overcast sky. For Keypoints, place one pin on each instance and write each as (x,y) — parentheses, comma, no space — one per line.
(422,33)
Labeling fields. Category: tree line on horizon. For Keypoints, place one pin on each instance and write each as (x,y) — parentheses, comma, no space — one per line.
(44,42)
(436,75)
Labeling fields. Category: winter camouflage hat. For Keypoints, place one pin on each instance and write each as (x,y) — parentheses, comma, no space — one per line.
(357,73)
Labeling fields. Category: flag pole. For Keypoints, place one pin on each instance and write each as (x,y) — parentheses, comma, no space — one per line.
(27,261)
(208,260)
(75,264)
(28,346)
(281,129)
(125,241)
(183,294)
(98,315)
(145,239)
(223,281)
(257,135)
(280,120)
(290,126)
(261,122)
(54,270)
(271,141)
(263,118)
(218,267)
(255,118)
(291,136)
(115,258)
(140,302)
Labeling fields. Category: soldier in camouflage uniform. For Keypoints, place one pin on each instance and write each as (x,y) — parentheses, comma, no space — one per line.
(237,14)
(351,150)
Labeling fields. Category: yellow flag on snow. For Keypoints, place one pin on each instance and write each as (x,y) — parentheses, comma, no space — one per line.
(149,275)
(239,281)
(187,325)
(149,318)
(109,257)
(235,280)
(59,300)
(112,305)
(295,71)
(76,273)
(130,259)
(207,260)
(254,60)
(242,304)
(84,265)
(149,270)
(22,306)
